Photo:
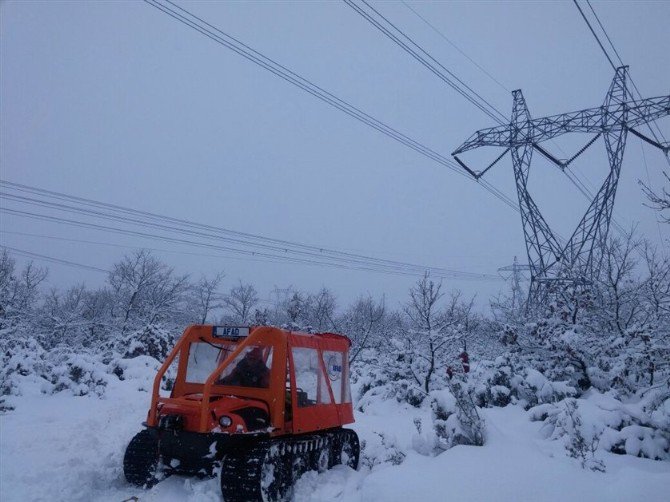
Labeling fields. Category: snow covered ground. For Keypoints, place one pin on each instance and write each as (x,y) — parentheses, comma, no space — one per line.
(61,447)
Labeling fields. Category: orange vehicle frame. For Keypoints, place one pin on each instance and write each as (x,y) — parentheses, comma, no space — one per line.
(304,419)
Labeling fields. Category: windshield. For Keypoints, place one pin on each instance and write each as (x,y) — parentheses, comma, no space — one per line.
(204,358)
(250,368)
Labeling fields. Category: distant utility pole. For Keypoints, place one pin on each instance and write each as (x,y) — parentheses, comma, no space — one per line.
(554,267)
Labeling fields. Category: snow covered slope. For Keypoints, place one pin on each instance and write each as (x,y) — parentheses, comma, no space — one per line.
(61,447)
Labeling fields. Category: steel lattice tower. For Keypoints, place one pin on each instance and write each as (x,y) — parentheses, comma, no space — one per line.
(556,266)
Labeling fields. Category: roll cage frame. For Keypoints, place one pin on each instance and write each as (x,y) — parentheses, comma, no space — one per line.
(316,416)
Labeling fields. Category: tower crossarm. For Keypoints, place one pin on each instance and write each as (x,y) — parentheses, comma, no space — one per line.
(646,110)
(591,120)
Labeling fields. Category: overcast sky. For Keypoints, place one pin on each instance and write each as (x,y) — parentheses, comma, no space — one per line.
(118,102)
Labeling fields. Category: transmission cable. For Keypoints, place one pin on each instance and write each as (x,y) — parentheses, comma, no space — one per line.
(442,73)
(30,254)
(222,38)
(190,242)
(133,233)
(221,254)
(445,38)
(172,225)
(588,23)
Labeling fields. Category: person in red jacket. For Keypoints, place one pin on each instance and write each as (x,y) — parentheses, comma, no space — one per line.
(465,361)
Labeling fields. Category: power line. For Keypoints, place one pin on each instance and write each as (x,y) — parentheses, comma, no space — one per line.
(588,23)
(442,72)
(30,254)
(112,244)
(297,253)
(161,250)
(222,254)
(133,233)
(418,53)
(256,256)
(443,36)
(173,225)
(283,244)
(217,35)
(446,39)
(604,31)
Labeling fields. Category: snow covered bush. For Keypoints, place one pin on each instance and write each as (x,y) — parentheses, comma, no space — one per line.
(454,420)
(23,364)
(384,375)
(381,448)
(638,427)
(81,374)
(511,379)
(153,341)
(28,367)
(401,391)
(140,372)
(581,447)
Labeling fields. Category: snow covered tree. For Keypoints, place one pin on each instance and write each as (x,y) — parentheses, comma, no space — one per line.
(659,199)
(296,308)
(207,296)
(618,293)
(656,290)
(240,302)
(145,291)
(364,324)
(18,290)
(433,331)
(62,317)
(320,310)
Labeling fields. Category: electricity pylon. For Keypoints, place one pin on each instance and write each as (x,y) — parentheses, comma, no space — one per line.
(555,266)
(515,274)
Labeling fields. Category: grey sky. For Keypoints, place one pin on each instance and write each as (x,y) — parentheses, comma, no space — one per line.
(117,102)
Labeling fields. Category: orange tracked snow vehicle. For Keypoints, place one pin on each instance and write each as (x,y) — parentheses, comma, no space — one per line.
(264,404)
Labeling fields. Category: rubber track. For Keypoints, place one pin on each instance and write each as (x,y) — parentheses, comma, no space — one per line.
(141,460)
(242,472)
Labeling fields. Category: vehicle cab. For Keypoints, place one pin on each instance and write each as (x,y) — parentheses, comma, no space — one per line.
(251,380)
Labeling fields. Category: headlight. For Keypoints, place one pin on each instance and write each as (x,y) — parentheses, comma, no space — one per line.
(225,421)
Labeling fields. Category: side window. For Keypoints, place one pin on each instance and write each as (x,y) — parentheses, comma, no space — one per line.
(333,362)
(311,383)
(337,369)
(346,385)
